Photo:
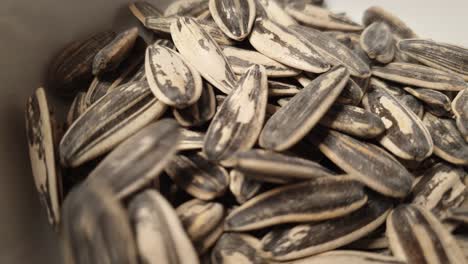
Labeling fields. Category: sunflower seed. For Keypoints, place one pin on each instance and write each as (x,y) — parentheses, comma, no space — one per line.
(273,10)
(377,41)
(108,122)
(242,59)
(237,248)
(274,167)
(163,24)
(110,57)
(139,159)
(242,187)
(368,163)
(198,47)
(398,27)
(333,51)
(319,17)
(373,241)
(283,45)
(405,136)
(354,121)
(318,199)
(293,121)
(142,9)
(407,100)
(238,122)
(449,144)
(73,65)
(416,236)
(198,176)
(308,239)
(172,80)
(276,88)
(186,8)
(77,108)
(440,189)
(42,153)
(234,17)
(96,228)
(347,256)
(460,109)
(158,231)
(200,112)
(421,76)
(190,140)
(199,218)
(437,102)
(436,54)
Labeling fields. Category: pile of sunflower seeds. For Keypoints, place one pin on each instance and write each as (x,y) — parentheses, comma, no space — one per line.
(256,131)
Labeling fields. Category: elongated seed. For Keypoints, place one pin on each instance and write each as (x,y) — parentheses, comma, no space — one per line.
(293,121)
(367,163)
(377,41)
(421,76)
(186,8)
(237,248)
(437,102)
(242,187)
(460,109)
(200,112)
(416,236)
(319,199)
(234,17)
(198,47)
(273,10)
(281,44)
(398,27)
(405,136)
(304,240)
(238,122)
(190,140)
(276,88)
(77,108)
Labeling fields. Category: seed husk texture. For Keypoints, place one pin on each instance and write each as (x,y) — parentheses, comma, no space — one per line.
(186,8)
(200,112)
(273,10)
(242,187)
(293,121)
(234,17)
(377,41)
(237,248)
(460,109)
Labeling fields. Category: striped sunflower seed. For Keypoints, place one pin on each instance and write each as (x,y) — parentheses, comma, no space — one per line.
(237,248)
(276,88)
(163,24)
(234,17)
(416,236)
(347,256)
(241,60)
(321,18)
(352,41)
(437,102)
(263,165)
(377,41)
(440,189)
(190,140)
(198,176)
(242,187)
(436,54)
(203,222)
(407,100)
(73,65)
(108,122)
(172,80)
(198,47)
(421,76)
(283,45)
(333,51)
(273,10)
(406,136)
(186,8)
(96,228)
(354,121)
(449,144)
(200,112)
(304,240)
(160,236)
(460,109)
(319,199)
(293,121)
(110,57)
(77,108)
(398,27)
(143,9)
(238,122)
(139,159)
(367,163)
(41,135)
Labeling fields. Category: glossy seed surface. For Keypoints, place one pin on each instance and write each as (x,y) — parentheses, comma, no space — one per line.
(234,17)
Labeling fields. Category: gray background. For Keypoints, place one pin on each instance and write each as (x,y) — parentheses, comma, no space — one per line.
(31,31)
